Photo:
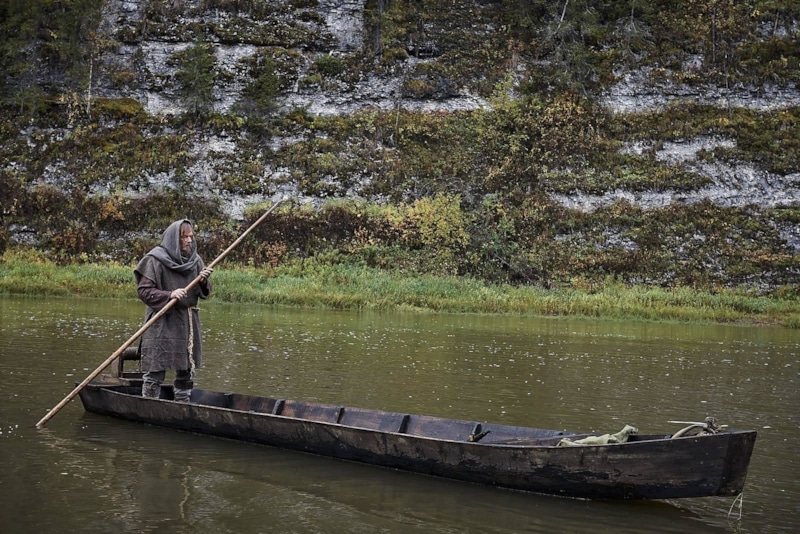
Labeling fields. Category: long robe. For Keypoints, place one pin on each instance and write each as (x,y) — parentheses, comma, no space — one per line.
(165,345)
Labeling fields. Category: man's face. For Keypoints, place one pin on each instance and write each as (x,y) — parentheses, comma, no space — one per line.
(187,236)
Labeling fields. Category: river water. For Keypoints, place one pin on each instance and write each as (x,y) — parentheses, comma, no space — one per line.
(93,474)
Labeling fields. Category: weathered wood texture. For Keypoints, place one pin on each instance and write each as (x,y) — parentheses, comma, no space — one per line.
(645,467)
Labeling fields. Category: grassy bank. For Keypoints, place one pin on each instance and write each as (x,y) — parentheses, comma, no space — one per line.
(338,287)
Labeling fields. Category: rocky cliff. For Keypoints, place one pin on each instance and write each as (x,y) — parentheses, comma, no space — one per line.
(337,27)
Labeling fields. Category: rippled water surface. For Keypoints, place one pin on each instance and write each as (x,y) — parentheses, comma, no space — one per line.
(94,474)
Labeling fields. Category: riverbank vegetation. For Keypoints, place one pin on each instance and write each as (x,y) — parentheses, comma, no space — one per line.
(533,242)
(314,285)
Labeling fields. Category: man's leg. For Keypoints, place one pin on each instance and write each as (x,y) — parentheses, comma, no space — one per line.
(183,385)
(151,387)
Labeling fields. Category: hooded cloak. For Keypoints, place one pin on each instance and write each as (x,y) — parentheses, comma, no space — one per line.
(165,345)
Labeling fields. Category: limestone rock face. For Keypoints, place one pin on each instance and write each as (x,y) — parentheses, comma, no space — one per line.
(144,37)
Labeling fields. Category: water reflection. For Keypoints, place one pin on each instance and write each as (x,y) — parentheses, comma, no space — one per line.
(97,475)
(233,487)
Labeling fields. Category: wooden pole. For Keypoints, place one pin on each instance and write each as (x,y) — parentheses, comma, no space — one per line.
(149,323)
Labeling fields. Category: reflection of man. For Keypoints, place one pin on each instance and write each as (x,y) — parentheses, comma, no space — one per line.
(173,342)
(160,487)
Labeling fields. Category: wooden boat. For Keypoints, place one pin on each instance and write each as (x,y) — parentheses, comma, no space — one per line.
(519,458)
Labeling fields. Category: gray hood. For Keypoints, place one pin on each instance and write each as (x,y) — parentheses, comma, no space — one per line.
(169,251)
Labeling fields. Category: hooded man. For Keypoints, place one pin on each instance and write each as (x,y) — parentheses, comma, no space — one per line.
(173,342)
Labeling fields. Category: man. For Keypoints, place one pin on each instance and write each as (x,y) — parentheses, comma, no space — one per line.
(173,342)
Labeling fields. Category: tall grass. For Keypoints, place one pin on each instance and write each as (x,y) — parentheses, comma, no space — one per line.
(354,288)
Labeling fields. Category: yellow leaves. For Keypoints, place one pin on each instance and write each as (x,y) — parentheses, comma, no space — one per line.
(109,211)
(435,222)
(439,221)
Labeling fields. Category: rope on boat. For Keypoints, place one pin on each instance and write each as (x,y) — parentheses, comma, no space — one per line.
(190,345)
(709,426)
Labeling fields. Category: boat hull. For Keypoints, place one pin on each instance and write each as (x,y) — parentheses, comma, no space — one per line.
(519,458)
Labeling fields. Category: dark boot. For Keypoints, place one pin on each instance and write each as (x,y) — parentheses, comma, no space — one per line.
(151,390)
(183,390)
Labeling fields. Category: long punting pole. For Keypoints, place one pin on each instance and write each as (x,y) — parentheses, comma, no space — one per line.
(149,323)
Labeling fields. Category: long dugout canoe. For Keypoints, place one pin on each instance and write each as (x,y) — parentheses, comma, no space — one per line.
(513,457)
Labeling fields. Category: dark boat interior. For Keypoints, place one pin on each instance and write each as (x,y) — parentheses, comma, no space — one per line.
(376,420)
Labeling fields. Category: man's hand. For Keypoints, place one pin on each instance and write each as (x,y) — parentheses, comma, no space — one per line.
(205,274)
(178,293)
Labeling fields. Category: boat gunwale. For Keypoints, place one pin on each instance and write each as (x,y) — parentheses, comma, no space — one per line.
(638,439)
